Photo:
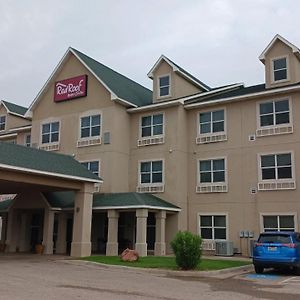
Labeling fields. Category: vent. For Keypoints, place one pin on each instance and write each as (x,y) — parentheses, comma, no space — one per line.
(106,138)
(274,131)
(97,187)
(151,141)
(224,248)
(252,138)
(52,147)
(150,189)
(216,188)
(273,186)
(88,142)
(211,138)
(208,245)
(253,190)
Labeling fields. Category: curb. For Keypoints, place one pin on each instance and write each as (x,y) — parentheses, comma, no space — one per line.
(223,273)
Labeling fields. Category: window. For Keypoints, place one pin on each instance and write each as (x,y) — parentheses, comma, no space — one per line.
(90,126)
(274,113)
(27,140)
(276,166)
(152,125)
(2,122)
(278,223)
(212,170)
(92,166)
(164,86)
(212,121)
(213,227)
(280,69)
(50,133)
(151,172)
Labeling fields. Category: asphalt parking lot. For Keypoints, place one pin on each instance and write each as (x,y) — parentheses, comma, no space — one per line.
(57,277)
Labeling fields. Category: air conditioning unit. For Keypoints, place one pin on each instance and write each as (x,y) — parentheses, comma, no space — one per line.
(224,248)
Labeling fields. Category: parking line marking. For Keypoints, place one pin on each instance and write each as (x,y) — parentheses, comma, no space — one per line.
(287,280)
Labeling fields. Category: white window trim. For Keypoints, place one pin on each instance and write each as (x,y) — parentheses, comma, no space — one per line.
(271,127)
(261,182)
(5,124)
(92,160)
(210,137)
(273,81)
(214,214)
(151,139)
(158,86)
(25,139)
(148,187)
(47,121)
(212,187)
(261,218)
(89,114)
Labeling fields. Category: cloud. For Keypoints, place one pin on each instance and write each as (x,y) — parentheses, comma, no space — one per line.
(218,41)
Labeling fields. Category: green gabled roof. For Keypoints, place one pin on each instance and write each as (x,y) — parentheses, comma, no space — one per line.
(4,205)
(14,108)
(131,200)
(105,201)
(120,85)
(39,161)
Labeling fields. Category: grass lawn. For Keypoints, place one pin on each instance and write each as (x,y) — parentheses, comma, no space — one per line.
(166,262)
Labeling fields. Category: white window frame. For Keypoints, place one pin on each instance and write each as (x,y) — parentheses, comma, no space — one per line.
(263,214)
(274,129)
(214,214)
(25,140)
(273,81)
(49,121)
(212,187)
(276,184)
(90,140)
(5,121)
(158,86)
(152,139)
(151,187)
(211,137)
(93,160)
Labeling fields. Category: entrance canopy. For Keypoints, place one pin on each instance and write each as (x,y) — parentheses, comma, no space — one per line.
(23,168)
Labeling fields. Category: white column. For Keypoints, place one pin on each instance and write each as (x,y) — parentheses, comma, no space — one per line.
(160,233)
(23,242)
(61,243)
(112,235)
(141,231)
(48,231)
(81,243)
(11,232)
(4,228)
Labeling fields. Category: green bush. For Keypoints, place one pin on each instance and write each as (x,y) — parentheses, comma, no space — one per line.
(187,250)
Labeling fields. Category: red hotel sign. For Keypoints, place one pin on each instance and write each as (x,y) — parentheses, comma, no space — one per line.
(70,88)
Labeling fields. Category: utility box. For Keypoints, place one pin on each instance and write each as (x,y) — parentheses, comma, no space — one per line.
(224,248)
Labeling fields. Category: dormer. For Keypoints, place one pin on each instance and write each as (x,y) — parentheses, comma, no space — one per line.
(172,82)
(282,62)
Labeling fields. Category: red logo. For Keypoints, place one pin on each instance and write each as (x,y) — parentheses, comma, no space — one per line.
(70,88)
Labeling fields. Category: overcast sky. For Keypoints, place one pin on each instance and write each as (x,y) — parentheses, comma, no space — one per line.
(218,41)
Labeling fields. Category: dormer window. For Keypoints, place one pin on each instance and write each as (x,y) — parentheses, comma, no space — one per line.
(164,86)
(2,122)
(279,69)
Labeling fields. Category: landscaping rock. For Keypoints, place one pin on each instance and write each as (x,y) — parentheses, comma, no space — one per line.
(129,255)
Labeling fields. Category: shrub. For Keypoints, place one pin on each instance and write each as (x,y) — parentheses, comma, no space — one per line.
(187,250)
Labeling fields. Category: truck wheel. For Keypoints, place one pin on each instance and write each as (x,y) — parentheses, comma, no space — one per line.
(258,269)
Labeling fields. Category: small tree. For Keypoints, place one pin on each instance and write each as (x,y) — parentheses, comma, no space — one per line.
(187,250)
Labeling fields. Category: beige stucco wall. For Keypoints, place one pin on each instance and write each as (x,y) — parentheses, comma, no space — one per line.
(278,50)
(242,208)
(113,157)
(179,86)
